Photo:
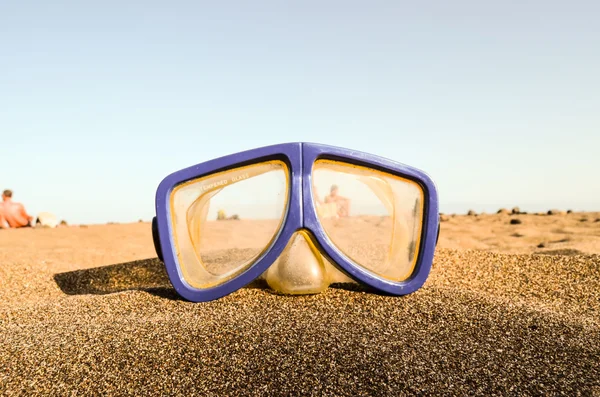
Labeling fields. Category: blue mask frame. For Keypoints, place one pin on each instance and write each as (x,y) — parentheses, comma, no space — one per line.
(301,214)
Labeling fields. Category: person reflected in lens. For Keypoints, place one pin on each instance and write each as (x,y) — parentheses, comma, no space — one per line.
(343,203)
(324,210)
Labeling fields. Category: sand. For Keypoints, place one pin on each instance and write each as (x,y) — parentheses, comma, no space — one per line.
(573,233)
(91,311)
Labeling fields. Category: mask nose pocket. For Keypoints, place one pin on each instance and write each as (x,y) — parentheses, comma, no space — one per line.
(300,269)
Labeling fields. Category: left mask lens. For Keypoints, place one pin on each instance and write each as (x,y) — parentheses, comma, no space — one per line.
(222,223)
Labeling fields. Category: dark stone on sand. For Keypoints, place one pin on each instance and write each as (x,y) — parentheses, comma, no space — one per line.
(563,251)
(569,211)
(516,210)
(503,211)
(472,213)
(556,212)
(63,222)
(541,245)
(515,221)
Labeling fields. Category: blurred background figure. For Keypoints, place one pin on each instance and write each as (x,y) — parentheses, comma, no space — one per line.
(343,203)
(222,216)
(46,219)
(13,214)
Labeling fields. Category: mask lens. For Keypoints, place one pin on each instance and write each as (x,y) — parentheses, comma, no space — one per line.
(222,223)
(374,218)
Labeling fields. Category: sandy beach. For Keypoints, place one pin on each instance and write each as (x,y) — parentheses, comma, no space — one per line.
(509,309)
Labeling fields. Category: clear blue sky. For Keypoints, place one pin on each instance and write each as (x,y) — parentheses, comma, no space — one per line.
(498,101)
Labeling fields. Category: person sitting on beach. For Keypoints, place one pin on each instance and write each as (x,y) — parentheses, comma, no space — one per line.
(12,214)
(343,203)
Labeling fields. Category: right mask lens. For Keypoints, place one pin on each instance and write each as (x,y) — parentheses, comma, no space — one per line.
(222,223)
(374,218)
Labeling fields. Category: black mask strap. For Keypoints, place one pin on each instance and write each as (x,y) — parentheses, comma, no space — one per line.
(438,233)
(156,239)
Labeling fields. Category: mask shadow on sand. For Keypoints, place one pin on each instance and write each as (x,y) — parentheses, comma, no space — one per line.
(147,275)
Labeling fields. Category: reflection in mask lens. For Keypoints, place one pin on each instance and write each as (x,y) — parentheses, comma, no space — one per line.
(372,217)
(223,222)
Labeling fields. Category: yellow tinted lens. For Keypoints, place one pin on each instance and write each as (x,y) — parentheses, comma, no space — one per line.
(374,218)
(223,222)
